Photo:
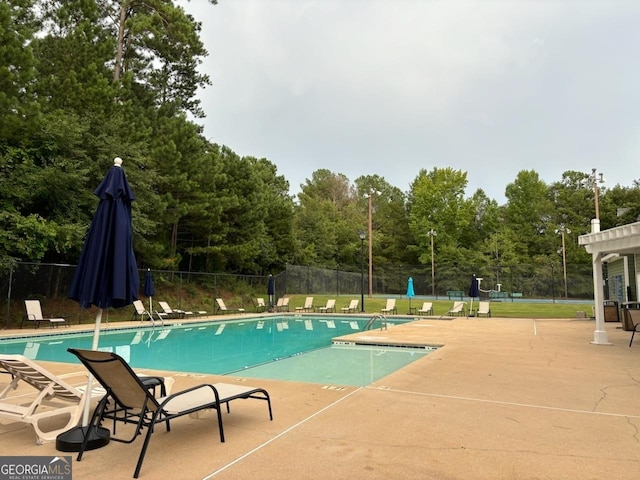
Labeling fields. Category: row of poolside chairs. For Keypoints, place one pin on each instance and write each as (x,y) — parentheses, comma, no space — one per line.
(390,308)
(34,310)
(282,305)
(35,316)
(330,306)
(458,308)
(167,312)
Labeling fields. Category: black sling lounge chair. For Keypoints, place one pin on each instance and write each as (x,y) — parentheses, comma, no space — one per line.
(125,391)
(633,320)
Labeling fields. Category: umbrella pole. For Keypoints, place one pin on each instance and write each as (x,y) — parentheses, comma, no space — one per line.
(94,346)
(71,440)
(96,331)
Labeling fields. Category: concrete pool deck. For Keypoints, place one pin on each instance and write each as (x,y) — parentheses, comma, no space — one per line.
(503,399)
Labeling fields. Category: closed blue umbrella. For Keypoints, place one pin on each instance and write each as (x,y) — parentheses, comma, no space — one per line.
(410,292)
(149,289)
(474,290)
(271,290)
(106,275)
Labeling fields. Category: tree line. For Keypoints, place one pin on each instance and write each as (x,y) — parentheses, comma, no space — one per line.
(84,81)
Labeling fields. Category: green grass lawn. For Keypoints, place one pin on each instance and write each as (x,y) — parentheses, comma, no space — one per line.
(505,308)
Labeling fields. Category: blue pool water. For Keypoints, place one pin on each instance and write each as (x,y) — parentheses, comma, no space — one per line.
(289,348)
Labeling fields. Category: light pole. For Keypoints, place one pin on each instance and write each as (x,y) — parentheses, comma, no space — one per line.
(432,233)
(593,180)
(369,196)
(562,229)
(362,237)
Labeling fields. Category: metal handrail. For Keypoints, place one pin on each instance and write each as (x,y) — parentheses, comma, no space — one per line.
(372,320)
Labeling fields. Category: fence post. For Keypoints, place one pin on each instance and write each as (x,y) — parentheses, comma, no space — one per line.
(217,294)
(511,280)
(553,284)
(6,318)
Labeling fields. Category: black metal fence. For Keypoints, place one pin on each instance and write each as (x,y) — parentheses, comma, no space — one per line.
(189,290)
(182,290)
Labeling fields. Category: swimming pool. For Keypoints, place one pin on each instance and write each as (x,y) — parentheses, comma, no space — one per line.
(289,348)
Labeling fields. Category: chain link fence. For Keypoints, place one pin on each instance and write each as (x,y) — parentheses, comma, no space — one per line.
(527,281)
(50,283)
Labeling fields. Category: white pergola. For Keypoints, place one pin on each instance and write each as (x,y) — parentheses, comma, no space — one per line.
(620,240)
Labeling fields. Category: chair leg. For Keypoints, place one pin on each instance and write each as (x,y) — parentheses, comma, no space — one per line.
(268,399)
(156,418)
(632,334)
(145,444)
(94,423)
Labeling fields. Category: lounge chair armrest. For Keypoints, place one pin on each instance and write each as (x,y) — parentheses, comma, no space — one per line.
(187,406)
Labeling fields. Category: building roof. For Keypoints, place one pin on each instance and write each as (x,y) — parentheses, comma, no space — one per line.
(623,239)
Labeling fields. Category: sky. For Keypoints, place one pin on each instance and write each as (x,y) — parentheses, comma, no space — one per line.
(391,87)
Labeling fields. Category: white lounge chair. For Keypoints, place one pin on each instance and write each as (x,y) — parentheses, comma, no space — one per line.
(171,313)
(352,308)
(426,309)
(329,307)
(391,306)
(53,397)
(308,306)
(484,308)
(142,312)
(457,309)
(285,305)
(34,314)
(260,305)
(282,304)
(279,304)
(222,308)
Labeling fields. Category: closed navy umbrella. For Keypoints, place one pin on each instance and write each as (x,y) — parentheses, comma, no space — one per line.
(474,290)
(106,275)
(271,290)
(149,289)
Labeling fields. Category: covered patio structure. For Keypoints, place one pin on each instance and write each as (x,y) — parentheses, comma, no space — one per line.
(619,240)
